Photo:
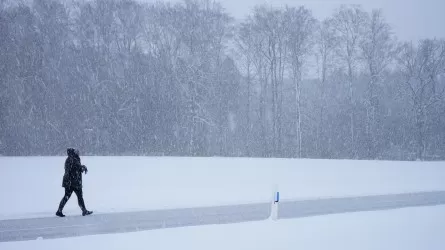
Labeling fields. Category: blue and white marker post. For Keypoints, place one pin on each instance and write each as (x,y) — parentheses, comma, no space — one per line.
(274,207)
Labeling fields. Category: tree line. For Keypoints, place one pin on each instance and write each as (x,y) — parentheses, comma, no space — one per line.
(120,77)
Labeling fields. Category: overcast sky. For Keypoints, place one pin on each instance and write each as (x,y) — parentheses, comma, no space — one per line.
(410,19)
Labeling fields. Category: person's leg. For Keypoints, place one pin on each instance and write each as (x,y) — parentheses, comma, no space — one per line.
(66,197)
(81,202)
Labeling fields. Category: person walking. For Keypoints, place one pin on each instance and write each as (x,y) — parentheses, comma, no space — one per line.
(72,181)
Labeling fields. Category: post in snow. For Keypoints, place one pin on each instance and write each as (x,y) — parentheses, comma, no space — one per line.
(274,206)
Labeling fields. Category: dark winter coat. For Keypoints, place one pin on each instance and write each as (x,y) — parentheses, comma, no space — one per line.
(73,170)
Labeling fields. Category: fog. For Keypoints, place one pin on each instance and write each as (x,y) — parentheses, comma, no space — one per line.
(300,79)
(409,19)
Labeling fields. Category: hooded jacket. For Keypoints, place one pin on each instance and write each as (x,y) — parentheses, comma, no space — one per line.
(73,170)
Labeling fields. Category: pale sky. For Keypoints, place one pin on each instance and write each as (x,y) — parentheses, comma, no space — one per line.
(410,19)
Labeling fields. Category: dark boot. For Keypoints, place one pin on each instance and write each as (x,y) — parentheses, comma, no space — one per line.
(64,200)
(60,214)
(81,202)
(86,212)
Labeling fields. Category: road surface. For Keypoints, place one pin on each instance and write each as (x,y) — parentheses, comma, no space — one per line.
(72,226)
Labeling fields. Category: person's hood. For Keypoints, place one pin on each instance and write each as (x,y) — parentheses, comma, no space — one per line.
(72,152)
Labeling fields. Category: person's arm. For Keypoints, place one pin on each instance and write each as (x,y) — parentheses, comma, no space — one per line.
(77,166)
(84,169)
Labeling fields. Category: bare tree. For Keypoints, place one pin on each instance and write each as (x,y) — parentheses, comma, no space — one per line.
(268,28)
(349,23)
(300,28)
(203,30)
(269,24)
(245,42)
(377,47)
(421,66)
(126,77)
(260,45)
(326,43)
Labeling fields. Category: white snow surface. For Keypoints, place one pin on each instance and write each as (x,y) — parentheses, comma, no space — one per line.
(31,186)
(404,229)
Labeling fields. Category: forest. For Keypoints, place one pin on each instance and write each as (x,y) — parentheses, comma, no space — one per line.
(123,77)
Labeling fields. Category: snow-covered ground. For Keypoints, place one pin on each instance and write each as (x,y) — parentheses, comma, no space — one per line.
(31,186)
(404,229)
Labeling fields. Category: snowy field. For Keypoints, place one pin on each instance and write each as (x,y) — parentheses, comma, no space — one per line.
(401,229)
(31,186)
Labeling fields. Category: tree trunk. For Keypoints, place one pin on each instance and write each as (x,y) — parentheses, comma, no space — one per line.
(297,84)
(353,151)
(419,133)
(249,126)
